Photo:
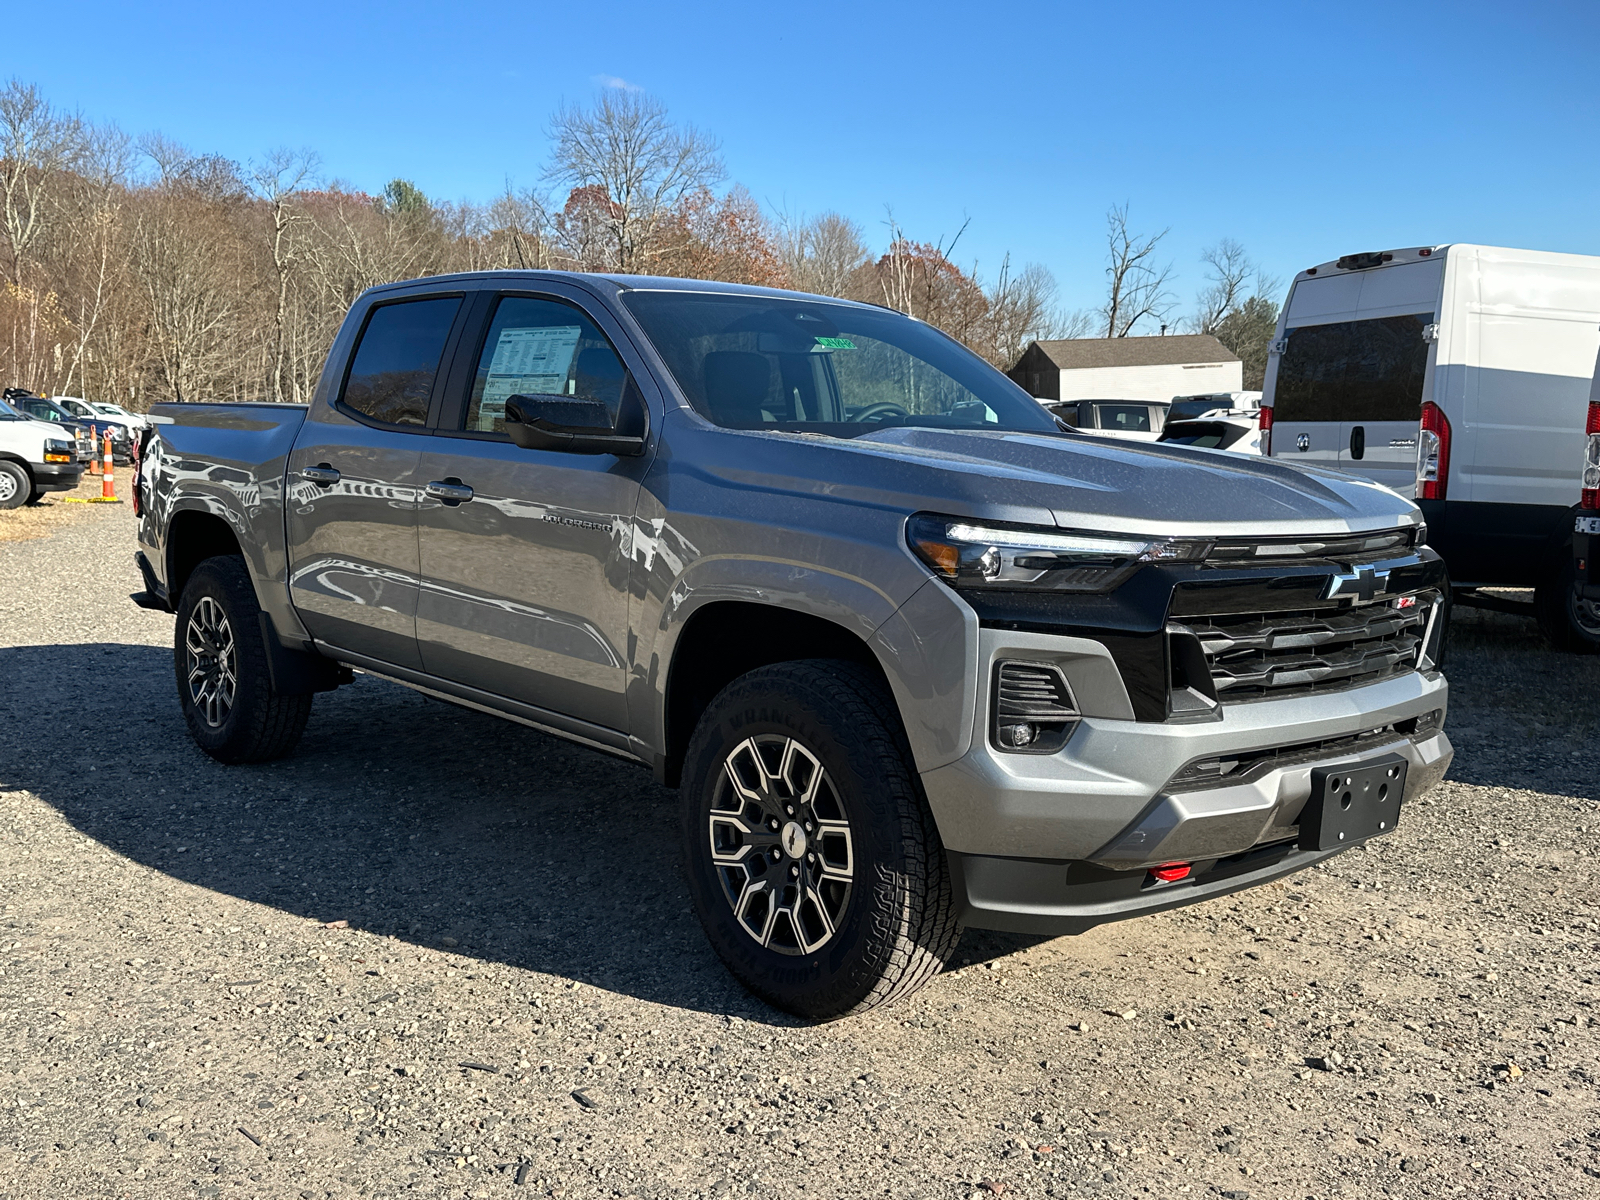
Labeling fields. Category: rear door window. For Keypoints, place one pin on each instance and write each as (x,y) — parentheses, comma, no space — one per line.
(1354,370)
(397,360)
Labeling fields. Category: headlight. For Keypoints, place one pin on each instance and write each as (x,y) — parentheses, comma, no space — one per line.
(57,446)
(970,554)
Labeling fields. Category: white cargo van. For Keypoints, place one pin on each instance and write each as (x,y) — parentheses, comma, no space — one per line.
(1458,375)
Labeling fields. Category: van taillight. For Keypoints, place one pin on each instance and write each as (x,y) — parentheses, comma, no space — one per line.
(1433,453)
(1591,459)
(1264,422)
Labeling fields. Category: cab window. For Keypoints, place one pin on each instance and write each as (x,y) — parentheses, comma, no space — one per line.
(391,376)
(1124,418)
(538,346)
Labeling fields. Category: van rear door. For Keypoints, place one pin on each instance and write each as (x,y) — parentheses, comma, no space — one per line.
(1348,392)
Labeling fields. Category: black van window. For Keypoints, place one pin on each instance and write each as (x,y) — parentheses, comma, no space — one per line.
(1354,371)
(391,377)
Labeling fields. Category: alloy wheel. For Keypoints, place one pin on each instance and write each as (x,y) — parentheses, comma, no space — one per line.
(781,844)
(213,662)
(8,487)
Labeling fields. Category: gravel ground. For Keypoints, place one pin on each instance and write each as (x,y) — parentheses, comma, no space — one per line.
(58,510)
(437,954)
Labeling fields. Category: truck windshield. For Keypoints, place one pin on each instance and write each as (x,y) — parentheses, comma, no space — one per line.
(754,362)
(1354,370)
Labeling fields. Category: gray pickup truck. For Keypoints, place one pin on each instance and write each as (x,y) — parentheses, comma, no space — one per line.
(915,655)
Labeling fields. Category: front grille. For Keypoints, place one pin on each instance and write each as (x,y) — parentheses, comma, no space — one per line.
(1274,656)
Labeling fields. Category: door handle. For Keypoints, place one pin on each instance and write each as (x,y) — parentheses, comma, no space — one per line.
(321,473)
(1358,442)
(449,491)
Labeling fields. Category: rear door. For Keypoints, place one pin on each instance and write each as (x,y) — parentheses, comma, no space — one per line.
(352,484)
(1353,370)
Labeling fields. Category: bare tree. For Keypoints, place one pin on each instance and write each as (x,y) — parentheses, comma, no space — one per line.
(38,145)
(522,220)
(277,181)
(1021,310)
(640,164)
(1138,287)
(822,254)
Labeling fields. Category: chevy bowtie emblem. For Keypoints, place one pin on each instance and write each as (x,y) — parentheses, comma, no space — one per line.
(1361,583)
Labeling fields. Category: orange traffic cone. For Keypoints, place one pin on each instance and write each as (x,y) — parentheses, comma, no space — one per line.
(92,467)
(108,490)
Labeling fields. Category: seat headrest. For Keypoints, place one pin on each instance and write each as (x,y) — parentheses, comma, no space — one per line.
(737,385)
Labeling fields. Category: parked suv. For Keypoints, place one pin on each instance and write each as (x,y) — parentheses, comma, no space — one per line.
(913,655)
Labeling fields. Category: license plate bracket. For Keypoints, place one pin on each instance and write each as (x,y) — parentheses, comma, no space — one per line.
(1352,803)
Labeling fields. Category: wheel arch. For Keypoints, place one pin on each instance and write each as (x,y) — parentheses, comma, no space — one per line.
(194,535)
(725,639)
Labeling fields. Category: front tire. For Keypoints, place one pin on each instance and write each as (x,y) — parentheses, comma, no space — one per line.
(812,858)
(15,485)
(224,686)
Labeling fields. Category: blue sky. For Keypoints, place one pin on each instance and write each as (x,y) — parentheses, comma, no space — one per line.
(1304,131)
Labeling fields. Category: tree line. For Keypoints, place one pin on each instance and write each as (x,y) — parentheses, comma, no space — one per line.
(136,270)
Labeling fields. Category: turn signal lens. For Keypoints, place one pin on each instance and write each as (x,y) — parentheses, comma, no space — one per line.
(1172,872)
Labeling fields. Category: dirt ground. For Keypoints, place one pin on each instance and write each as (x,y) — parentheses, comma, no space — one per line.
(436,954)
(58,511)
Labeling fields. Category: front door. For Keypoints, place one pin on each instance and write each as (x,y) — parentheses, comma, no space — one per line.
(352,486)
(523,552)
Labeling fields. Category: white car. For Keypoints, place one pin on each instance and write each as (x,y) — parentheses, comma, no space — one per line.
(80,407)
(1128,420)
(1238,430)
(136,420)
(35,457)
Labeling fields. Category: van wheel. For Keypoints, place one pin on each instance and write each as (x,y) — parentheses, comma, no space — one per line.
(221,662)
(1569,623)
(15,485)
(812,858)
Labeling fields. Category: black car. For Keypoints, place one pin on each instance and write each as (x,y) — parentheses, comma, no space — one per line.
(48,410)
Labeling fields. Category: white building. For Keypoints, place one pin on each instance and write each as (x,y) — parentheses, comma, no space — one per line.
(1128,368)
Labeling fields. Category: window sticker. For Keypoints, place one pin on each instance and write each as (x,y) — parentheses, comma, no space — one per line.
(527,361)
(832,343)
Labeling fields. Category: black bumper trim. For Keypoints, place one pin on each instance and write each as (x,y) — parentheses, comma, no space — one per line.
(1028,895)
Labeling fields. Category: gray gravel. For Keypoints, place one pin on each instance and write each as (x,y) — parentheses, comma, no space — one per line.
(436,954)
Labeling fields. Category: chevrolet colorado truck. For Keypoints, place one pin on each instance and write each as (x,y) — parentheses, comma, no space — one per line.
(914,654)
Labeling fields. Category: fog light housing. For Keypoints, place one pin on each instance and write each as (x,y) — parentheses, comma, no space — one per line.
(1015,737)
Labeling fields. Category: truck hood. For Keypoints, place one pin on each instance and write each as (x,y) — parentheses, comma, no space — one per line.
(1072,481)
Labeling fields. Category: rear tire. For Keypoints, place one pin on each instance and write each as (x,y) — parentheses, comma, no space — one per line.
(15,484)
(224,686)
(1570,624)
(812,858)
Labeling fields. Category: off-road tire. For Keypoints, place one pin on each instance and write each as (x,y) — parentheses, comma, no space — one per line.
(1567,623)
(15,486)
(259,725)
(899,924)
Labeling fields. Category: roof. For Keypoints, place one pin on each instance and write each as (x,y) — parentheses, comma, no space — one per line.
(1136,351)
(622,283)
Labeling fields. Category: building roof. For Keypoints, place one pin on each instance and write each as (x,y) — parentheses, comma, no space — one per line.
(1136,351)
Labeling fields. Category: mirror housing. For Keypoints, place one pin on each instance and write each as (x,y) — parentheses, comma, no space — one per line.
(568,423)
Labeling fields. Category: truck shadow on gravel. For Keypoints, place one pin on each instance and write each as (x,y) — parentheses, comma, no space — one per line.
(402,815)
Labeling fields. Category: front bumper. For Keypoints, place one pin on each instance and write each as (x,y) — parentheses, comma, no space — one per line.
(1106,802)
(56,477)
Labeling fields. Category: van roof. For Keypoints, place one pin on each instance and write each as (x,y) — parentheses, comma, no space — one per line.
(1378,259)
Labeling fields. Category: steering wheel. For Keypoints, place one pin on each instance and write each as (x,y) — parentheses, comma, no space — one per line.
(883,408)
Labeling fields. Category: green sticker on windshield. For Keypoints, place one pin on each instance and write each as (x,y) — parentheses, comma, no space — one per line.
(836,343)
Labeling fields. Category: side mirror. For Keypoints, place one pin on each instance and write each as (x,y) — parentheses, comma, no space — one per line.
(566,423)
